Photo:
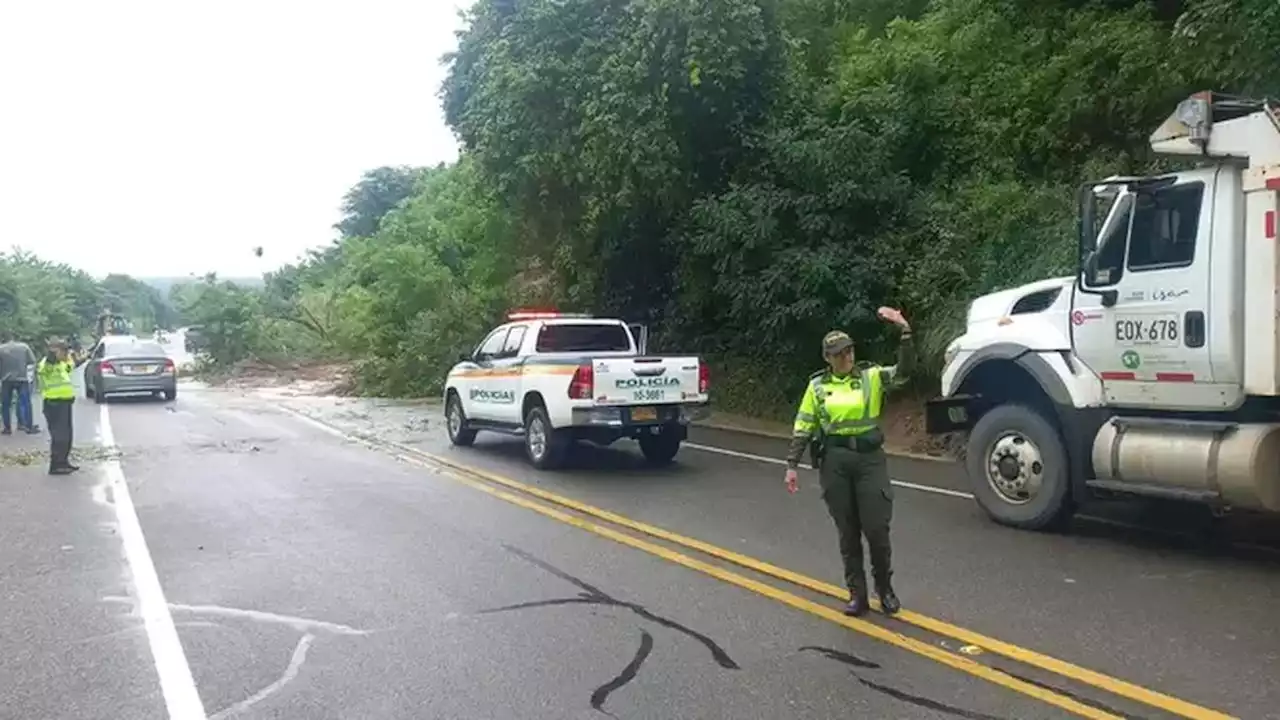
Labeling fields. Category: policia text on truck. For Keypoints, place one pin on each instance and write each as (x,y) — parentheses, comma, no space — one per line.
(1155,369)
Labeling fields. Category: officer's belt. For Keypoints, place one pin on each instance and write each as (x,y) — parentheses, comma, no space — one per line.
(867,441)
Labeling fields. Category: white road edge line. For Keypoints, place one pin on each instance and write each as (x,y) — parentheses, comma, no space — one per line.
(776,461)
(181,698)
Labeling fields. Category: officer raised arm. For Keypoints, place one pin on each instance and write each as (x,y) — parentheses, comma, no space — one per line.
(839,420)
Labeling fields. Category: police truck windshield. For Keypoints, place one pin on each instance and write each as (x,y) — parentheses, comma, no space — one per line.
(583,337)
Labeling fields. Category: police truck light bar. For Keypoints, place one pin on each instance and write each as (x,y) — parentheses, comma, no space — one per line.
(541,314)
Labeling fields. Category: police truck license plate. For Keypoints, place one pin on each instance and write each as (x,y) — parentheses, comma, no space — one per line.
(1153,330)
(644,413)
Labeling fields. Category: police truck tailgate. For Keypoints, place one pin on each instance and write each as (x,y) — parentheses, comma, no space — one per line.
(647,380)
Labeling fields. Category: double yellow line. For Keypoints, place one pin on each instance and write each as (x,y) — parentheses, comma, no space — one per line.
(485,481)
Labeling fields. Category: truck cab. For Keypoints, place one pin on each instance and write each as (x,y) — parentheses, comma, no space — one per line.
(1155,369)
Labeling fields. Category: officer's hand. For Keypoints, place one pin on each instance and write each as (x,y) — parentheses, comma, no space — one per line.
(792,480)
(893,315)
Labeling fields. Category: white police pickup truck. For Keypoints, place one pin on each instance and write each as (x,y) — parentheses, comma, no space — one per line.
(557,378)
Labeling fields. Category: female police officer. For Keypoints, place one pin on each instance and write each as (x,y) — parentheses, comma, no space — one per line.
(54,373)
(840,414)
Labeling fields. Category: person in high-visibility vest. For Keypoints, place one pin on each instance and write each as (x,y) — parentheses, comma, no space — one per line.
(839,421)
(59,396)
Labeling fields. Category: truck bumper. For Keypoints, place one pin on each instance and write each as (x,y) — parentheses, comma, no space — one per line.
(627,417)
(948,414)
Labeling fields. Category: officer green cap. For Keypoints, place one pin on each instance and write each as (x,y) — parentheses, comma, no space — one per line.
(835,342)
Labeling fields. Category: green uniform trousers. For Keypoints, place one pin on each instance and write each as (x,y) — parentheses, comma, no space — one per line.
(856,489)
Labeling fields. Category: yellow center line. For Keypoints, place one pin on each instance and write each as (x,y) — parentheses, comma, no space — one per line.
(1053,665)
(918,647)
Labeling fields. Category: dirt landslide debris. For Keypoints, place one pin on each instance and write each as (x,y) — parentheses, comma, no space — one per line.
(304,378)
(326,391)
(80,454)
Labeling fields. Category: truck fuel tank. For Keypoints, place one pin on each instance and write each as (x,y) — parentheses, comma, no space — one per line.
(1224,463)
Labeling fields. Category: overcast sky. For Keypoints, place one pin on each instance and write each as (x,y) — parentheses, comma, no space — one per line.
(157,137)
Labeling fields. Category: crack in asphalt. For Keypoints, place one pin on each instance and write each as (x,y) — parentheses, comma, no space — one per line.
(592,595)
(901,695)
(627,675)
(844,657)
(924,702)
(1075,696)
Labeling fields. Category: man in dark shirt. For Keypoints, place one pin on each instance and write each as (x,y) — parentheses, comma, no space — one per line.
(17,363)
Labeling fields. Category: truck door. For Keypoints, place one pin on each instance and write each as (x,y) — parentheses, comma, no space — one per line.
(483,390)
(1149,346)
(507,379)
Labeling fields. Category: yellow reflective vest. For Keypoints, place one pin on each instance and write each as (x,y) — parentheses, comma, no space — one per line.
(842,405)
(55,380)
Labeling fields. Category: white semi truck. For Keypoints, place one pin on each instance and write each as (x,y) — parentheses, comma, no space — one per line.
(1153,371)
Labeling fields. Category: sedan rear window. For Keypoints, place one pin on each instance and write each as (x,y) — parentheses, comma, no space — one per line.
(583,337)
(142,349)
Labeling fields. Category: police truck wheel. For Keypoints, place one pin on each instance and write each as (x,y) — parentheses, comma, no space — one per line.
(545,446)
(456,421)
(1018,467)
(659,449)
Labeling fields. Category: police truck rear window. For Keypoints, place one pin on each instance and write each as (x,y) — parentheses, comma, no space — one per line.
(583,338)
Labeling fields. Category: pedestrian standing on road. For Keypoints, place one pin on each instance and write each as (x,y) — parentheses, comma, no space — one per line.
(54,373)
(839,420)
(17,363)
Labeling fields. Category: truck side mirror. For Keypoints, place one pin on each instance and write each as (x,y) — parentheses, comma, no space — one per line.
(1086,238)
(640,333)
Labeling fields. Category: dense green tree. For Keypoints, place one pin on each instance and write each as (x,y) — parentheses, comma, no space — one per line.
(745,174)
(377,193)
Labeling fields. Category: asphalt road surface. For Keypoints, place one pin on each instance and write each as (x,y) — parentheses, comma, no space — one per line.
(222,556)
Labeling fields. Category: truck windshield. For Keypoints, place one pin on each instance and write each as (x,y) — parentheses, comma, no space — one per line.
(582,337)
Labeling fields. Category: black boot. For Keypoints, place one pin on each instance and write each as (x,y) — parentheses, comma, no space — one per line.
(889,603)
(859,603)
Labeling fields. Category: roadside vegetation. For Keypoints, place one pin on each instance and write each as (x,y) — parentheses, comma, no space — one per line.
(40,300)
(743,175)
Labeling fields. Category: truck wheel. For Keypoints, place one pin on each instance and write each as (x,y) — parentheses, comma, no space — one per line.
(1018,467)
(545,446)
(456,422)
(659,449)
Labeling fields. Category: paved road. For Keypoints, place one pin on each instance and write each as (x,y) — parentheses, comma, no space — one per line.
(307,576)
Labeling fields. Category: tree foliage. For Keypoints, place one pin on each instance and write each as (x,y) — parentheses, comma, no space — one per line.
(746,174)
(40,300)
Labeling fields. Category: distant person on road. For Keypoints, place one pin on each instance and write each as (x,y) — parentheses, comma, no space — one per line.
(54,373)
(17,363)
(839,420)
